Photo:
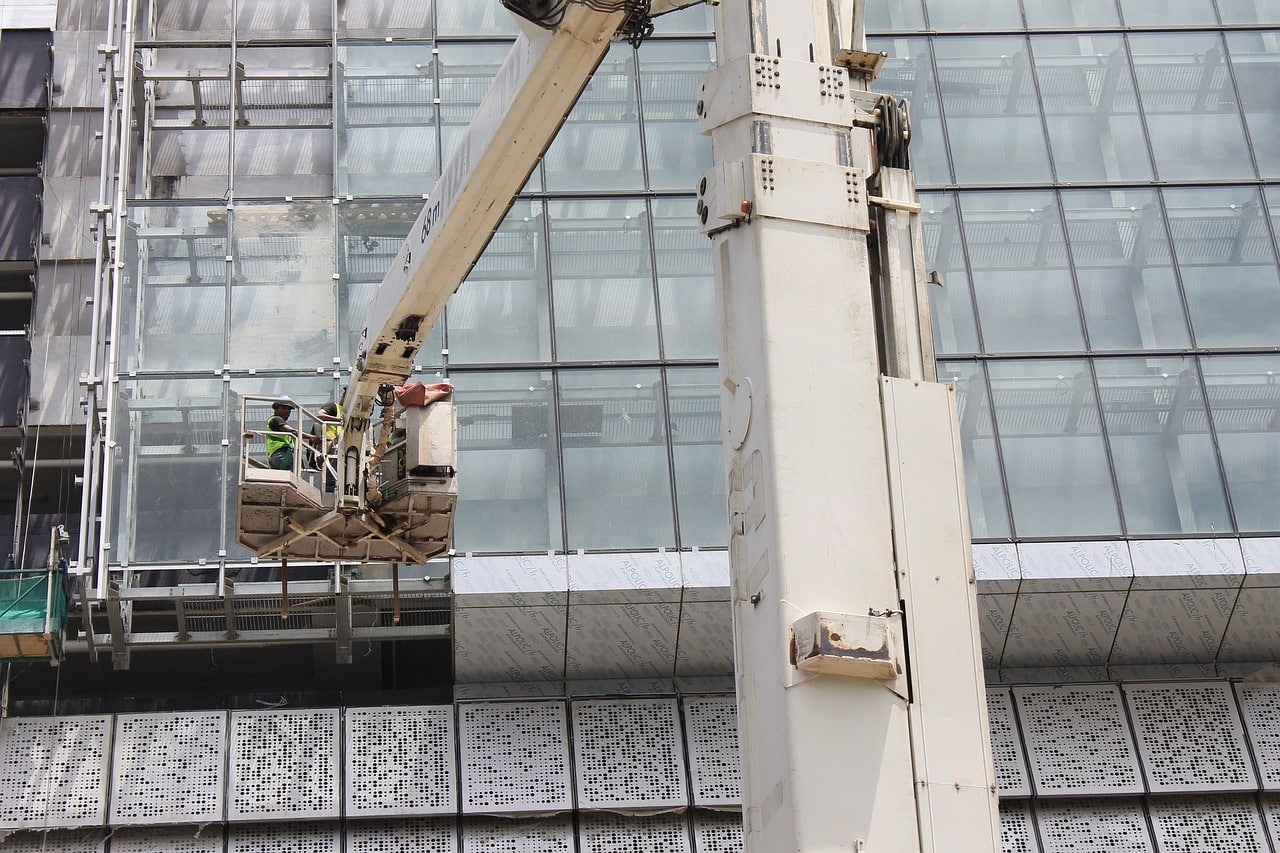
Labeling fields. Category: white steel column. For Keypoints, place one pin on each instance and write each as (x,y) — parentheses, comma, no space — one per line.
(833,751)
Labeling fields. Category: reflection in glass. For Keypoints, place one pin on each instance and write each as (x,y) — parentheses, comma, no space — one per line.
(282,287)
(475,18)
(1249,11)
(1125,270)
(693,401)
(190,163)
(369,236)
(908,73)
(670,77)
(1168,13)
(894,17)
(1228,265)
(993,117)
(380,18)
(1164,458)
(697,19)
(598,147)
(1190,105)
(181,20)
(984,487)
(501,312)
(1244,397)
(509,495)
(1255,63)
(602,280)
(172,311)
(275,163)
(686,285)
(617,483)
(1055,459)
(1053,14)
(464,73)
(1021,281)
(1091,109)
(387,136)
(191,87)
(295,19)
(968,15)
(954,329)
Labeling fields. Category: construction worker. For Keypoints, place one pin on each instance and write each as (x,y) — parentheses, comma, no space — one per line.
(280,436)
(330,416)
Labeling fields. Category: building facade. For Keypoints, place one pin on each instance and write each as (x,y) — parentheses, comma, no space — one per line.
(199,202)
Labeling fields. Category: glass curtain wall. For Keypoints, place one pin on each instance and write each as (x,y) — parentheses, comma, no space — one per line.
(285,153)
(1096,187)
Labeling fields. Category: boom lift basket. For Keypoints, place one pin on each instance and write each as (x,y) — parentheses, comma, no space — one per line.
(33,613)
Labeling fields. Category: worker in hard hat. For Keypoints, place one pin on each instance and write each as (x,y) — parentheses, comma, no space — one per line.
(280,436)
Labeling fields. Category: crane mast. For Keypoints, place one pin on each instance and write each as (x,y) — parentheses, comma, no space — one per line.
(861,703)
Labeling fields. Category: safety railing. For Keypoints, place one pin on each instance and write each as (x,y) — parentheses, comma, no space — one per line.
(33,613)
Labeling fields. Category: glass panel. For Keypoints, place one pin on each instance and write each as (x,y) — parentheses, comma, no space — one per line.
(670,79)
(1257,68)
(599,145)
(501,312)
(475,18)
(1228,265)
(954,328)
(1190,106)
(20,218)
(282,289)
(1244,399)
(167,479)
(1249,11)
(984,486)
(905,15)
(686,283)
(1124,268)
(25,65)
(1070,13)
(370,236)
(387,133)
(696,19)
(182,20)
(379,19)
(191,163)
(509,485)
(617,483)
(1167,13)
(1054,455)
(285,162)
(993,118)
(465,73)
(602,289)
(284,87)
(1164,457)
(310,19)
(908,73)
(974,14)
(701,506)
(191,87)
(1091,109)
(1022,286)
(173,300)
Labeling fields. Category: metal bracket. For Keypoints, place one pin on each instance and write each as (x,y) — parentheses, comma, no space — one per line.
(852,646)
(861,63)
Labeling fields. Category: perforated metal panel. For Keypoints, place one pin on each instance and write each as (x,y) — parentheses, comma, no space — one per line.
(403,835)
(400,761)
(1012,779)
(541,835)
(717,832)
(1218,823)
(53,771)
(1077,740)
(610,833)
(515,757)
(57,841)
(711,739)
(284,838)
(1115,825)
(1260,707)
(204,839)
(284,764)
(1017,835)
(1271,813)
(1190,737)
(169,768)
(627,754)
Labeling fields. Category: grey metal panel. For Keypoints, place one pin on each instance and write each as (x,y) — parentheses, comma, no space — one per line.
(608,833)
(66,219)
(496,835)
(284,765)
(25,64)
(19,218)
(53,771)
(1017,831)
(717,832)
(628,755)
(711,741)
(1066,628)
(74,145)
(1012,778)
(420,835)
(63,841)
(1190,737)
(77,83)
(1260,707)
(621,640)
(63,297)
(285,838)
(400,761)
(57,363)
(1114,825)
(176,839)
(508,643)
(1078,740)
(1208,823)
(514,757)
(169,768)
(705,642)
